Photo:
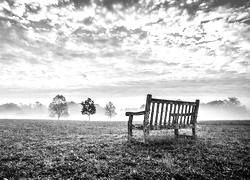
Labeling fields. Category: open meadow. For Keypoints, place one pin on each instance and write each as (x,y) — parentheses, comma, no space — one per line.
(50,149)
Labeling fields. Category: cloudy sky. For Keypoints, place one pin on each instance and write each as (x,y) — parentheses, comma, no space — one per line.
(121,50)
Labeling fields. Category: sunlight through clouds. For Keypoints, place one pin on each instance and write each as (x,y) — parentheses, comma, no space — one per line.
(123,45)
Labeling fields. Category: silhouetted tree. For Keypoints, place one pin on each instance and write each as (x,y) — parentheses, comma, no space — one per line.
(88,107)
(110,110)
(58,107)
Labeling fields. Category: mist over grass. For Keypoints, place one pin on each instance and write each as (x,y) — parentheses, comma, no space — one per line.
(39,111)
(211,113)
(223,111)
(204,114)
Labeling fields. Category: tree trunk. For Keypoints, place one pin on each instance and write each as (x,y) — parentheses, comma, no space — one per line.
(89,117)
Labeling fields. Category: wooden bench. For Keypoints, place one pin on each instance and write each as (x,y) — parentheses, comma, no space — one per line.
(165,114)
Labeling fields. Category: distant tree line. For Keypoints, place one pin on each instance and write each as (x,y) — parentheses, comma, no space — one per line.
(59,107)
(230,108)
(230,103)
(21,110)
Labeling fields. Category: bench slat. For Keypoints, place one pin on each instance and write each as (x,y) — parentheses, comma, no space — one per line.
(182,110)
(178,126)
(169,114)
(135,113)
(185,116)
(166,113)
(192,117)
(190,112)
(171,101)
(152,114)
(174,119)
(156,115)
(162,106)
(178,111)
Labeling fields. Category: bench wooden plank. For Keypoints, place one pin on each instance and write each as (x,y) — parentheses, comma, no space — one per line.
(190,112)
(152,114)
(169,114)
(186,114)
(135,113)
(174,117)
(171,101)
(182,110)
(156,115)
(192,116)
(146,118)
(179,126)
(161,116)
(178,112)
(166,114)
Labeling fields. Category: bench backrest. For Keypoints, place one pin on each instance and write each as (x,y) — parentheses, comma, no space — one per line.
(170,114)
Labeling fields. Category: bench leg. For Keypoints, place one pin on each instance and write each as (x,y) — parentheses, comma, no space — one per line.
(130,133)
(146,128)
(176,133)
(146,134)
(194,133)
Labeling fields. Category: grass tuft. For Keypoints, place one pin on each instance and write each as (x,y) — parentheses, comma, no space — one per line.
(33,149)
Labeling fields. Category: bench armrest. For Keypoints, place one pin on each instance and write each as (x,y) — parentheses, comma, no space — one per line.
(135,113)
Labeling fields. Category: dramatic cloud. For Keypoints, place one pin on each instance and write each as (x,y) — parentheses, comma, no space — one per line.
(124,48)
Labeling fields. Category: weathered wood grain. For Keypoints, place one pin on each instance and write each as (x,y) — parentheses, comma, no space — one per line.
(186,113)
(156,115)
(146,118)
(152,114)
(130,127)
(165,117)
(169,114)
(182,111)
(172,101)
(161,116)
(135,113)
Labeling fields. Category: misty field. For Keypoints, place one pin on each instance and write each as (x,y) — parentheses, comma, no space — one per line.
(46,149)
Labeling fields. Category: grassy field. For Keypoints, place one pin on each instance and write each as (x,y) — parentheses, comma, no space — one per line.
(44,149)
